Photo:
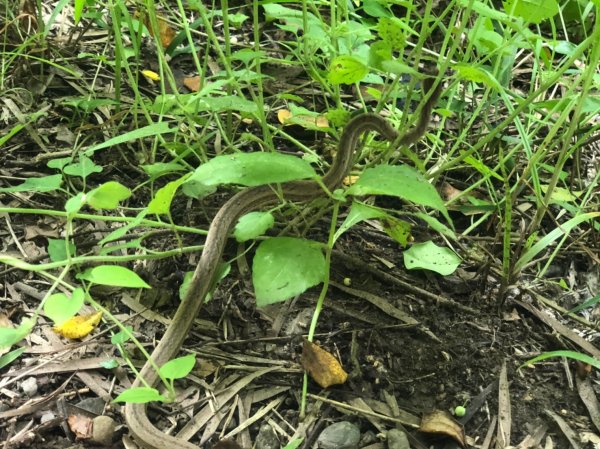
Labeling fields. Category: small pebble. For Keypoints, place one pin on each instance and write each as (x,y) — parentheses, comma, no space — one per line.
(47,416)
(29,386)
(341,435)
(103,430)
(396,439)
(267,438)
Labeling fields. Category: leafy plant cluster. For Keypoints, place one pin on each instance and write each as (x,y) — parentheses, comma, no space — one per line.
(509,140)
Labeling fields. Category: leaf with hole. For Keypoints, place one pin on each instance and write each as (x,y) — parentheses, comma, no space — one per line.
(346,70)
(431,257)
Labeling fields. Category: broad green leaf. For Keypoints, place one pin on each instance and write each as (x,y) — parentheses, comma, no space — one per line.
(398,68)
(436,225)
(121,337)
(140,395)
(109,364)
(113,275)
(9,335)
(379,53)
(42,184)
(546,241)
(252,225)
(401,181)
(108,195)
(57,249)
(88,105)
(161,168)
(228,103)
(59,307)
(570,354)
(358,212)
(477,75)
(74,204)
(431,257)
(252,169)
(59,163)
(161,203)
(392,31)
(484,10)
(284,267)
(179,367)
(346,70)
(560,194)
(83,168)
(397,229)
(11,356)
(532,11)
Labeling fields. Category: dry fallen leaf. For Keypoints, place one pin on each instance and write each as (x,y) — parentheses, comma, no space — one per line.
(150,75)
(166,34)
(193,83)
(441,422)
(78,326)
(286,117)
(322,366)
(81,426)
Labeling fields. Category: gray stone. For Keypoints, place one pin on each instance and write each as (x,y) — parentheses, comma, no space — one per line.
(29,386)
(396,439)
(341,435)
(103,430)
(267,438)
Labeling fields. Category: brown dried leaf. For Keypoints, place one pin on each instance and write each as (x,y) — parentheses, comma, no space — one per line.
(81,426)
(165,33)
(440,422)
(193,83)
(323,367)
(78,326)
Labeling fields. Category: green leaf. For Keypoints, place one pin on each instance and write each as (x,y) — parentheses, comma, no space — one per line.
(228,103)
(570,354)
(147,131)
(11,356)
(532,11)
(252,169)
(42,184)
(284,267)
(397,229)
(74,204)
(431,257)
(108,195)
(346,70)
(588,303)
(252,225)
(57,250)
(121,337)
(178,368)
(60,162)
(294,444)
(477,75)
(140,395)
(59,307)
(161,203)
(546,241)
(109,364)
(401,181)
(83,168)
(358,212)
(120,232)
(9,336)
(113,275)
(161,168)
(392,31)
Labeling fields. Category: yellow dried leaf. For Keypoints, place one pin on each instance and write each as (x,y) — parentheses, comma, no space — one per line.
(283,115)
(152,76)
(78,326)
(306,121)
(323,367)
